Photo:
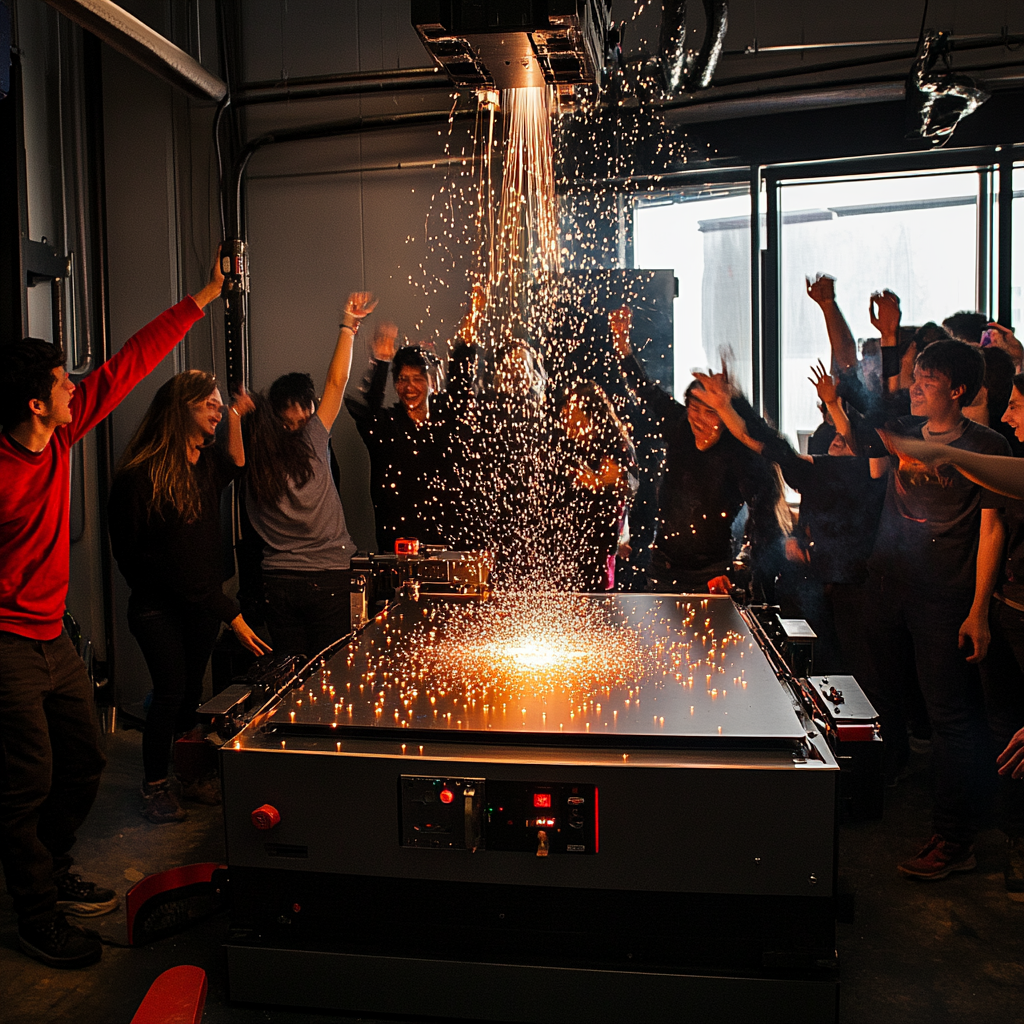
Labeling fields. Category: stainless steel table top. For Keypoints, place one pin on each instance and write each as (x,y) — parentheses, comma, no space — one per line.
(551,668)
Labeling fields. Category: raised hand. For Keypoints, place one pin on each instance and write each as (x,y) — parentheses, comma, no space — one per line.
(824,384)
(383,345)
(360,304)
(620,322)
(715,390)
(243,403)
(822,288)
(884,310)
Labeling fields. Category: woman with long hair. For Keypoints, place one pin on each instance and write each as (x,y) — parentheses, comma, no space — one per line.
(603,480)
(164,514)
(293,503)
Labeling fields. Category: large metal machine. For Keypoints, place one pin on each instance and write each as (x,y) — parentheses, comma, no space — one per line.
(539,807)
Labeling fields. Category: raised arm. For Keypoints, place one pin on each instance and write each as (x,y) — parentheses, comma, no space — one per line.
(828,393)
(240,407)
(662,404)
(358,306)
(717,392)
(884,310)
(840,338)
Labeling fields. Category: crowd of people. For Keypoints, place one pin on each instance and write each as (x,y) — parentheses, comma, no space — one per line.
(905,554)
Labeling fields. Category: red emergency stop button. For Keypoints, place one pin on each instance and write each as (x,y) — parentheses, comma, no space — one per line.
(265,817)
(446,796)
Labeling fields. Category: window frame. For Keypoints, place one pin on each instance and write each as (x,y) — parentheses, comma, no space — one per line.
(993,164)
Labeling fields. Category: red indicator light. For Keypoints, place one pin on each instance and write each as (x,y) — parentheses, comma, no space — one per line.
(447,796)
(541,799)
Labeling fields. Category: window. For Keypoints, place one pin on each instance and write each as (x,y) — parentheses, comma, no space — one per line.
(1017,255)
(915,234)
(704,237)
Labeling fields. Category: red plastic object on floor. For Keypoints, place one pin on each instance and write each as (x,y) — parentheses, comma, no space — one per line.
(163,886)
(178,996)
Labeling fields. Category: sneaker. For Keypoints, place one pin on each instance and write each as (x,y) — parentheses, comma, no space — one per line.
(59,943)
(939,858)
(1013,873)
(160,805)
(203,791)
(83,899)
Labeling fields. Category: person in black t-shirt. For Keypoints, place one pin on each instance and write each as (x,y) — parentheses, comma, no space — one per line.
(1002,671)
(931,576)
(708,477)
(839,510)
(417,446)
(164,514)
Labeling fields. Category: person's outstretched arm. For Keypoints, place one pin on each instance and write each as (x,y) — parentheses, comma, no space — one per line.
(1003,474)
(660,404)
(358,306)
(840,338)
(101,391)
(240,407)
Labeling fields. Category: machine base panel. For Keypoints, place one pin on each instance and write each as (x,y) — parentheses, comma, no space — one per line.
(453,989)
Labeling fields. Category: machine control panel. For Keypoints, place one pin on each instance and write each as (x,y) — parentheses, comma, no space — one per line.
(538,818)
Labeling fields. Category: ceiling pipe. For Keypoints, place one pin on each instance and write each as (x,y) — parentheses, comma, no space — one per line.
(331,129)
(781,103)
(357,83)
(137,41)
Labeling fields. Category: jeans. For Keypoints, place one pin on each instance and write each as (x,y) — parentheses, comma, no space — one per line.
(177,644)
(1002,677)
(51,768)
(307,611)
(898,618)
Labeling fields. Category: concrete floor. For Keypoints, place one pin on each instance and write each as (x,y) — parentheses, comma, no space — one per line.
(940,952)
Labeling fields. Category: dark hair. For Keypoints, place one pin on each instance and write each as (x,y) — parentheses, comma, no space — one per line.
(414,357)
(966,326)
(999,378)
(963,364)
(292,389)
(275,457)
(609,431)
(26,373)
(921,337)
(160,445)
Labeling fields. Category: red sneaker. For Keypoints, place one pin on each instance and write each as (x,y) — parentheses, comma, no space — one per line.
(939,858)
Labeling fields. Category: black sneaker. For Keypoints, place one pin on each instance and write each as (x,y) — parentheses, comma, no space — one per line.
(83,899)
(59,943)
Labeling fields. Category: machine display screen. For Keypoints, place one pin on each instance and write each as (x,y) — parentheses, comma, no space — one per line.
(633,666)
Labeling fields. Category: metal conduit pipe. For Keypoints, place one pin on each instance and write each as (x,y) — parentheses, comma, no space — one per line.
(137,41)
(331,129)
(319,86)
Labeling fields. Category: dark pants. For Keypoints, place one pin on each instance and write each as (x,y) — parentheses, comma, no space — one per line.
(51,766)
(899,619)
(176,645)
(1002,677)
(307,611)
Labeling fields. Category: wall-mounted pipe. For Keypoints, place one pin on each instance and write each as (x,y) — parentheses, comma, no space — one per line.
(137,41)
(357,83)
(330,129)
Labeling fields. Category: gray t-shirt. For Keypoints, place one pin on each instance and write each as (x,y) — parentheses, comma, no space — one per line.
(305,530)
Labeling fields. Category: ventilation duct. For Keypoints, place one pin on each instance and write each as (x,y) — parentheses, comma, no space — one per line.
(137,41)
(515,44)
(691,69)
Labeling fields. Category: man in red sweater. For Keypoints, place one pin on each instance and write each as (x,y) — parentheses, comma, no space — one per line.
(49,741)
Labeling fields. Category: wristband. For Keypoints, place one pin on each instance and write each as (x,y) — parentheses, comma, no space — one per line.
(349,321)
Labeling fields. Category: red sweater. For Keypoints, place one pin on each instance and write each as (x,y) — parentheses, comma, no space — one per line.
(35,488)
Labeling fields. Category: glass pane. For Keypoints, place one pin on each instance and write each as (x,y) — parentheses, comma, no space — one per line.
(913,234)
(1017,255)
(705,239)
